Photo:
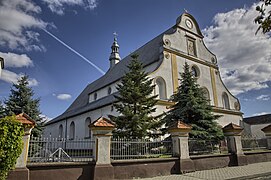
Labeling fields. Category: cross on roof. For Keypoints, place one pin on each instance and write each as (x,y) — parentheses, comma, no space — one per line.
(115,35)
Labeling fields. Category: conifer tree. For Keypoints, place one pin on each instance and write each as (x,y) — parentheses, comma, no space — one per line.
(2,110)
(21,100)
(135,103)
(193,108)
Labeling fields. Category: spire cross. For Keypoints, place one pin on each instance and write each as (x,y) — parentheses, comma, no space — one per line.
(115,35)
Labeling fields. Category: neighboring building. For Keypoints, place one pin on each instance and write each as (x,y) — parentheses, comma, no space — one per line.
(1,65)
(163,58)
(253,125)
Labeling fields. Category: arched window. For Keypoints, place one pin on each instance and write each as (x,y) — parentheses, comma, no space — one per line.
(72,130)
(95,96)
(195,71)
(60,131)
(109,91)
(87,129)
(206,94)
(225,100)
(161,88)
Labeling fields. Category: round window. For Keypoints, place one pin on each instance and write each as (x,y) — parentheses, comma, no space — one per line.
(195,71)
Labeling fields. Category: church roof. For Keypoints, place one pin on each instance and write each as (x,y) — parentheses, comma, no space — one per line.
(261,119)
(147,54)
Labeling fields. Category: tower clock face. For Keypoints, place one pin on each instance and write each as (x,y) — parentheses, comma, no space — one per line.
(189,24)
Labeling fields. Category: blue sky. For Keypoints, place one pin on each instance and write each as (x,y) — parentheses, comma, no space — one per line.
(58,75)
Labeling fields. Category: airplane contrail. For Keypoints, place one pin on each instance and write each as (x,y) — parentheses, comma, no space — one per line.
(74,51)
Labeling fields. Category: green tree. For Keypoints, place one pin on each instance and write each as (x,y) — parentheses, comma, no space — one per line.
(193,108)
(11,144)
(135,103)
(264,17)
(2,110)
(21,100)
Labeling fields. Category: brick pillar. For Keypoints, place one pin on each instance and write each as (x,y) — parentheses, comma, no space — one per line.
(232,133)
(102,133)
(21,171)
(267,132)
(179,133)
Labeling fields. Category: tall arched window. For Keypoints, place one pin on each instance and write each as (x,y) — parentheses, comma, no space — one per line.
(206,94)
(225,100)
(60,131)
(161,88)
(87,129)
(72,130)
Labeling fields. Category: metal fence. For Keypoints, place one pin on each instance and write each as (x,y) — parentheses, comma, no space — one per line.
(60,150)
(201,147)
(252,143)
(140,149)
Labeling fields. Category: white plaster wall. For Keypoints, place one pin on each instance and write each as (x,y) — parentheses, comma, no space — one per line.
(228,118)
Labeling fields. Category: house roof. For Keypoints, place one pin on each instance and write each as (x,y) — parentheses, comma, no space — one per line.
(262,119)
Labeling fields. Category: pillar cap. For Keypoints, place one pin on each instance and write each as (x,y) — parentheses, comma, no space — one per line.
(232,128)
(179,126)
(267,129)
(103,123)
(25,119)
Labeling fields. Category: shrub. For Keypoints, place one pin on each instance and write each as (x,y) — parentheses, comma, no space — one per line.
(11,144)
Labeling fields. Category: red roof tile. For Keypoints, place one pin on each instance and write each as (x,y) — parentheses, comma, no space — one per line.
(25,119)
(103,122)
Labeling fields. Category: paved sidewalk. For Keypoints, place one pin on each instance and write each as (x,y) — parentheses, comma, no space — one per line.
(251,171)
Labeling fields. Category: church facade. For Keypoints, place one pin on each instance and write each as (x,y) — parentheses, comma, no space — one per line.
(163,58)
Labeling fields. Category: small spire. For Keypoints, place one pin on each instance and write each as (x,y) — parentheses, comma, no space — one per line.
(114,57)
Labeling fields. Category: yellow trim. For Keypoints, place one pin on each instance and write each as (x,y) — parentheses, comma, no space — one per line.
(192,58)
(212,73)
(165,103)
(174,72)
(226,111)
(96,149)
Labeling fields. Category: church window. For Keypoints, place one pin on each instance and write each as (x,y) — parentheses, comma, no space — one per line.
(112,108)
(195,71)
(95,96)
(60,131)
(206,94)
(161,88)
(87,129)
(109,91)
(191,47)
(89,98)
(72,130)
(225,100)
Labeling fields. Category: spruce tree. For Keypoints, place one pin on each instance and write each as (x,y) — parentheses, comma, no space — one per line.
(2,110)
(193,108)
(135,103)
(21,100)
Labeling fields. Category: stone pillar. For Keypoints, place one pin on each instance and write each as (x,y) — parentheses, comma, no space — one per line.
(179,133)
(21,171)
(102,133)
(232,133)
(267,132)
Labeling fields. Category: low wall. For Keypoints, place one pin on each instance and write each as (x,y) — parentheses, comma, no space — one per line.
(256,157)
(146,168)
(61,171)
(129,169)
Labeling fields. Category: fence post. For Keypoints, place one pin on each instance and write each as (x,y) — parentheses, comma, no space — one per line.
(102,132)
(179,133)
(234,143)
(267,132)
(21,171)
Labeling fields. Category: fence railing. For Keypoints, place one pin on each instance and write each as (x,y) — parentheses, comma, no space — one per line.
(252,143)
(60,150)
(201,147)
(140,149)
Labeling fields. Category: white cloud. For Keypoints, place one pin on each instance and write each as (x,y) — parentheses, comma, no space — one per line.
(11,77)
(18,19)
(261,113)
(263,97)
(58,6)
(45,118)
(63,96)
(244,57)
(16,60)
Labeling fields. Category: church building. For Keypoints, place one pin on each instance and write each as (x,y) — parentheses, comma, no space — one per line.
(163,58)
